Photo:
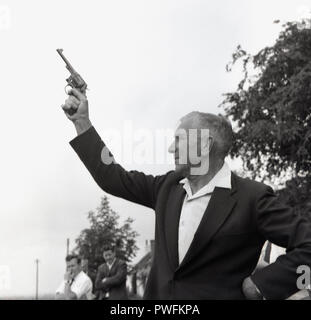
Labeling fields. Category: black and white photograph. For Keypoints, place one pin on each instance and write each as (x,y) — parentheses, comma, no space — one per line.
(155,150)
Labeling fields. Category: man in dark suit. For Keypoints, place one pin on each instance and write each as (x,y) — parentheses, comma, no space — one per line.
(210,224)
(111,276)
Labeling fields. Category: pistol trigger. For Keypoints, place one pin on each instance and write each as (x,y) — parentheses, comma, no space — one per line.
(67,90)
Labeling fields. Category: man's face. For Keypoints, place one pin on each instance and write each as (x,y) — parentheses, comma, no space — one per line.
(190,148)
(73,267)
(109,256)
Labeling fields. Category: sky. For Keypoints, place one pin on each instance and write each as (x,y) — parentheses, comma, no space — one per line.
(146,63)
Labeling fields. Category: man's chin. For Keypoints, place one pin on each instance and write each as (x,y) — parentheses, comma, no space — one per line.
(182,169)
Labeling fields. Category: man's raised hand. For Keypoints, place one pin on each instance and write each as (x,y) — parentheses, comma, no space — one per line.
(77,110)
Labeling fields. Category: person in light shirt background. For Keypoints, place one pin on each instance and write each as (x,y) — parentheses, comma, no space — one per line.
(76,284)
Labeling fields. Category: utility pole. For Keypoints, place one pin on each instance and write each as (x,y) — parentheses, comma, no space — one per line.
(37,278)
(67,247)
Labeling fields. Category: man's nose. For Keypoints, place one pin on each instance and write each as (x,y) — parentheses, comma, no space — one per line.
(171,148)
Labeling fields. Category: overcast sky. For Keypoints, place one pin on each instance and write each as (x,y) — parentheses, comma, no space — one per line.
(146,63)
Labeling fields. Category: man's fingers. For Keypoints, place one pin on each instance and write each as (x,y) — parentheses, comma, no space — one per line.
(74,100)
(69,106)
(77,94)
(66,109)
(72,103)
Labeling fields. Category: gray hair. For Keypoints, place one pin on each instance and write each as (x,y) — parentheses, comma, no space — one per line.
(219,126)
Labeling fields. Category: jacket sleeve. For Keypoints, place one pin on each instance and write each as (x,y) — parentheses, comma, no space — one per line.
(99,277)
(111,177)
(283,226)
(118,278)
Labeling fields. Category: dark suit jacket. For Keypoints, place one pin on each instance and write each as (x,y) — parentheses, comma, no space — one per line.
(228,241)
(115,283)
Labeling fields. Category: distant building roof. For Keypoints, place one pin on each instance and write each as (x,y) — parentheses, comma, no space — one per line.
(146,260)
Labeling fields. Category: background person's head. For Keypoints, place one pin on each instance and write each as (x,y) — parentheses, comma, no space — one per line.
(109,253)
(201,141)
(73,263)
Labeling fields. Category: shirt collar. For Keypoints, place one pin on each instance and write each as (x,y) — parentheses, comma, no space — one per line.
(222,179)
(77,276)
(110,265)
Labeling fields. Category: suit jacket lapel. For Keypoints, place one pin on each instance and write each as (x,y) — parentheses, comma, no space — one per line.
(112,268)
(219,208)
(106,270)
(109,271)
(171,223)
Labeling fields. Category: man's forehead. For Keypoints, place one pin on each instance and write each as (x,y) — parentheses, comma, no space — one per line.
(177,126)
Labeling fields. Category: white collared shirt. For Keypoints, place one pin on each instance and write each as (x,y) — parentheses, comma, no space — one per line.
(110,265)
(82,286)
(195,205)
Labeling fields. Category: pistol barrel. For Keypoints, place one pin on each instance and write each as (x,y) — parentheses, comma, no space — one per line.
(68,65)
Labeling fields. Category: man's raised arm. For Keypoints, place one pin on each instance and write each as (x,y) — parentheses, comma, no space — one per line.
(111,177)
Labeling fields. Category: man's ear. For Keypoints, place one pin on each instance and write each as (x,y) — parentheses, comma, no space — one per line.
(207,146)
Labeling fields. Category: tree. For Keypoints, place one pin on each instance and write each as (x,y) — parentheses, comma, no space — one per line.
(271,112)
(271,109)
(104,229)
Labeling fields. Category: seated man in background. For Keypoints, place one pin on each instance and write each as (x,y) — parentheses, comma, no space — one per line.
(111,276)
(76,284)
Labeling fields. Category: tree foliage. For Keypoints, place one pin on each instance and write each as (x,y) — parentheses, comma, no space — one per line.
(297,194)
(271,108)
(105,229)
